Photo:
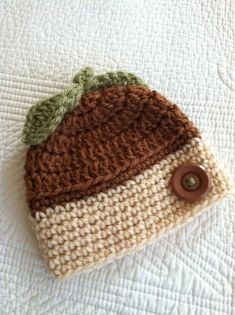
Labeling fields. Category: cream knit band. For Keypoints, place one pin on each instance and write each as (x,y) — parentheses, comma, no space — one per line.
(84,234)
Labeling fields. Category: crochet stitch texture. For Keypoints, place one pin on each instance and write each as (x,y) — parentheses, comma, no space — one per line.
(98,171)
(46,115)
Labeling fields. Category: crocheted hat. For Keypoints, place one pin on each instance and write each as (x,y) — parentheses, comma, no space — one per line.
(112,165)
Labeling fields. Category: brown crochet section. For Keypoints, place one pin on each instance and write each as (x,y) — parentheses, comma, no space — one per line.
(113,135)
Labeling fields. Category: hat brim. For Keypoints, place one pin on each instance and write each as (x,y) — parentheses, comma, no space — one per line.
(83,235)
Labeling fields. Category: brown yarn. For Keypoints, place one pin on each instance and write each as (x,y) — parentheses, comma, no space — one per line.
(111,136)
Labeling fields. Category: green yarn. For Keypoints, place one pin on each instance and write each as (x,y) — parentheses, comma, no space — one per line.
(46,115)
(113,78)
(83,76)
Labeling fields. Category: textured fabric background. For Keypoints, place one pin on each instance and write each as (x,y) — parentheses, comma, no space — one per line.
(185,50)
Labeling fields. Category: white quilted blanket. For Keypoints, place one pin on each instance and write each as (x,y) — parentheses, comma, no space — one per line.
(185,50)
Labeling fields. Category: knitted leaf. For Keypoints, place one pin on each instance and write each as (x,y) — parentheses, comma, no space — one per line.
(46,115)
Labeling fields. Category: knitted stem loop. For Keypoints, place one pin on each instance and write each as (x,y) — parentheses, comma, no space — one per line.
(46,115)
(84,76)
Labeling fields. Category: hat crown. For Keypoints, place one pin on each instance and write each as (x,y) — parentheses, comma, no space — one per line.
(46,115)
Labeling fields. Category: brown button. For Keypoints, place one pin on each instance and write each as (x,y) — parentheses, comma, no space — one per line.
(190,182)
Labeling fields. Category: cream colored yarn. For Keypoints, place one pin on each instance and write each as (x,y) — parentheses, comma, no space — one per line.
(83,235)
